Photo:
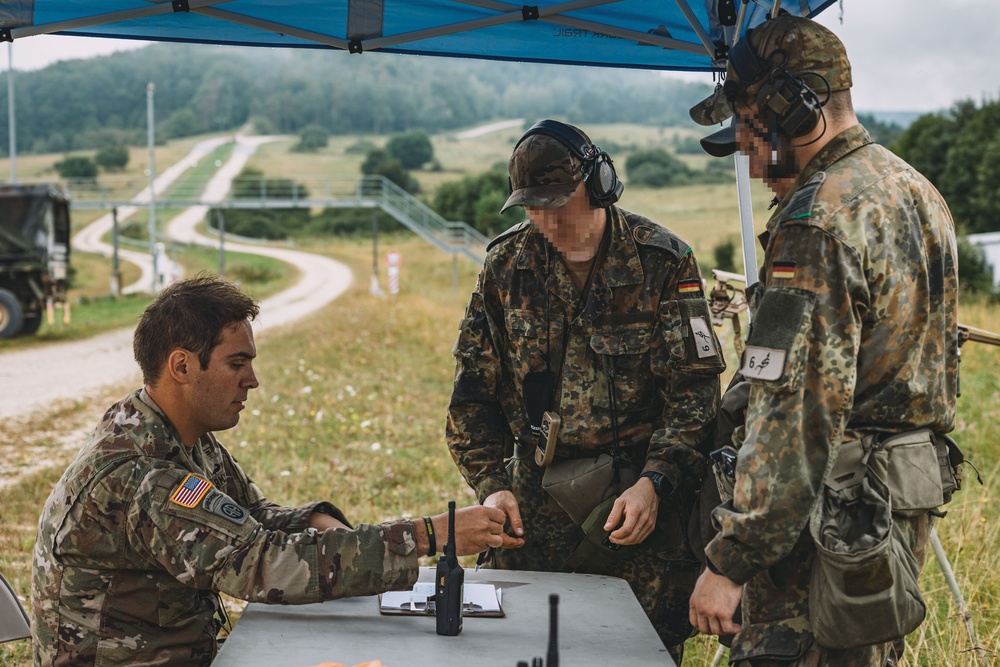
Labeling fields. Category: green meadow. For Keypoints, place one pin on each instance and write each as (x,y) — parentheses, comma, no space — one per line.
(352,400)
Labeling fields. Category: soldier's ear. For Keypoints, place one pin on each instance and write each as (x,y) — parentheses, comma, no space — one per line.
(179,365)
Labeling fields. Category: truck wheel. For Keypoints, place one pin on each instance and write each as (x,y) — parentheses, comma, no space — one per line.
(10,314)
(31,324)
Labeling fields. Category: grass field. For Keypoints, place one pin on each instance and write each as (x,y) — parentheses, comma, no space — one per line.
(352,401)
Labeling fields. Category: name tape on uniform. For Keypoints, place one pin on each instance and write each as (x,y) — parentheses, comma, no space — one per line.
(191,491)
(704,341)
(763,363)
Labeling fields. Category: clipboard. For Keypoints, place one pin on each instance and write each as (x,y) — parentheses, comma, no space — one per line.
(478,600)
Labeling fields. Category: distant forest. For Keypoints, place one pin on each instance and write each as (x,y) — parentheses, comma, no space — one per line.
(86,104)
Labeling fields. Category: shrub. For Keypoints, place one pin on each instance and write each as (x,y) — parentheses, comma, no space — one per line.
(975,275)
(379,163)
(76,166)
(725,256)
(656,168)
(413,149)
(313,138)
(112,158)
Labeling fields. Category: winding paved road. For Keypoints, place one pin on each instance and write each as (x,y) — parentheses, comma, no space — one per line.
(35,378)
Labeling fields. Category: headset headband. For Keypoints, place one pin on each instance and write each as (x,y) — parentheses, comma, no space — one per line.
(573,139)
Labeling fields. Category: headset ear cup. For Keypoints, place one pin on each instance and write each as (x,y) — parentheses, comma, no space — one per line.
(603,185)
(793,104)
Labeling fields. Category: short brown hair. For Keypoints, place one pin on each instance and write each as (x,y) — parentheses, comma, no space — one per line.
(190,314)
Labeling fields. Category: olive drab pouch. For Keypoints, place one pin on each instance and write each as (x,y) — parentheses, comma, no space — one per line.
(908,462)
(950,459)
(597,554)
(863,587)
(580,485)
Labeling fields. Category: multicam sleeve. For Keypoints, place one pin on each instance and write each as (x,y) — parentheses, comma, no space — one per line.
(800,360)
(686,355)
(205,539)
(477,430)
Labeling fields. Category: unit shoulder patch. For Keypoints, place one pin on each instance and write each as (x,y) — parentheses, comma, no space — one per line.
(651,234)
(219,504)
(801,205)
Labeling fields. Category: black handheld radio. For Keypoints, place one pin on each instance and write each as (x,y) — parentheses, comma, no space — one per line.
(552,655)
(449,584)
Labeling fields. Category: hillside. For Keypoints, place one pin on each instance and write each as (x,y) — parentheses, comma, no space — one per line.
(86,104)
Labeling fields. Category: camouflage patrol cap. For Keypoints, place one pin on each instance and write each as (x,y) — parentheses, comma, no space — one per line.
(810,47)
(543,172)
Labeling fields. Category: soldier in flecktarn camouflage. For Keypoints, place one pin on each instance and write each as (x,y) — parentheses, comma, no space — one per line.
(154,518)
(854,340)
(597,315)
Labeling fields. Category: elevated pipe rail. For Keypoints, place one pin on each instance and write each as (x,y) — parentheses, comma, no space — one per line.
(306,192)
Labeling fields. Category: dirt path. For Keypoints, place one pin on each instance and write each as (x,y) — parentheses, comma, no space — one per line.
(65,379)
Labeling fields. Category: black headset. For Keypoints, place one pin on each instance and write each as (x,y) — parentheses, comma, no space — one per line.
(795,106)
(603,184)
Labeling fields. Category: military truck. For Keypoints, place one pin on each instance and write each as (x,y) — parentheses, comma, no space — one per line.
(34,255)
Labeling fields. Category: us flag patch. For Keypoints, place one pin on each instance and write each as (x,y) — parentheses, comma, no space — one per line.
(191,491)
(688,286)
(783,270)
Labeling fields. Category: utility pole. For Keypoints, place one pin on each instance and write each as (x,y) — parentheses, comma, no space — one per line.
(150,88)
(11,117)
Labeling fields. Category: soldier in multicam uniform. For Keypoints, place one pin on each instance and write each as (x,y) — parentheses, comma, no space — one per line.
(596,314)
(154,518)
(855,315)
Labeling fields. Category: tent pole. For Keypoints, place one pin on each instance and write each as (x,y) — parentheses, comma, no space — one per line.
(747,235)
(696,26)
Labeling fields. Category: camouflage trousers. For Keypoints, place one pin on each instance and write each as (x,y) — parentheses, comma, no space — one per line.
(661,571)
(775,610)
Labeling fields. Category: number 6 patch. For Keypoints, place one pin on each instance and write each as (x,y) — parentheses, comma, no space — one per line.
(704,341)
(763,363)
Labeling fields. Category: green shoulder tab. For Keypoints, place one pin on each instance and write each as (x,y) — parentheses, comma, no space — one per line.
(651,234)
(510,232)
(801,205)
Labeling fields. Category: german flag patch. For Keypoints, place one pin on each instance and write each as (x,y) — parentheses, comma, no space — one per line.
(689,286)
(783,270)
(191,491)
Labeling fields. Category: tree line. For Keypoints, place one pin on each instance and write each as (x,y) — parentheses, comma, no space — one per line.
(959,152)
(94,103)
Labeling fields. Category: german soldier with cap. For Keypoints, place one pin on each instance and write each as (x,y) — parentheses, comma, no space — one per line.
(586,381)
(851,363)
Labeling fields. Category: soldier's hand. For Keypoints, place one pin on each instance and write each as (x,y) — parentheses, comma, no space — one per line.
(713,604)
(506,502)
(477,528)
(637,506)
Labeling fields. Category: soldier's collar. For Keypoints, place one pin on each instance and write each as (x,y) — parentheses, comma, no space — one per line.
(621,264)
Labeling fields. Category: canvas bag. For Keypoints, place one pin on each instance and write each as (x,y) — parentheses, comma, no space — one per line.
(580,485)
(863,587)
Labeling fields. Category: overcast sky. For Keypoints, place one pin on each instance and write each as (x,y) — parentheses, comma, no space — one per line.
(907,55)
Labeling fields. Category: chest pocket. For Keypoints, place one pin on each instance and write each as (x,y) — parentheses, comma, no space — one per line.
(533,340)
(624,353)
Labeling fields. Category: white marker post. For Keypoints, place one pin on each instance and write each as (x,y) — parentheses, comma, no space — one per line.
(394,260)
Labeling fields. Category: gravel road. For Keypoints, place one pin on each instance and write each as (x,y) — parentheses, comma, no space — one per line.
(36,378)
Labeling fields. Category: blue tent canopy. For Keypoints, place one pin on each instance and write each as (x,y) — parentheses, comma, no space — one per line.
(646,34)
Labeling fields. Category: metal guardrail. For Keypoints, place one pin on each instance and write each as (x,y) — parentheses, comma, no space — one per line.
(295,192)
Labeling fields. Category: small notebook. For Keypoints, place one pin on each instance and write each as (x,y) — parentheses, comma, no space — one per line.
(478,600)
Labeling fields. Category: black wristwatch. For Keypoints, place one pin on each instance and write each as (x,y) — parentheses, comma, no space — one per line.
(660,483)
